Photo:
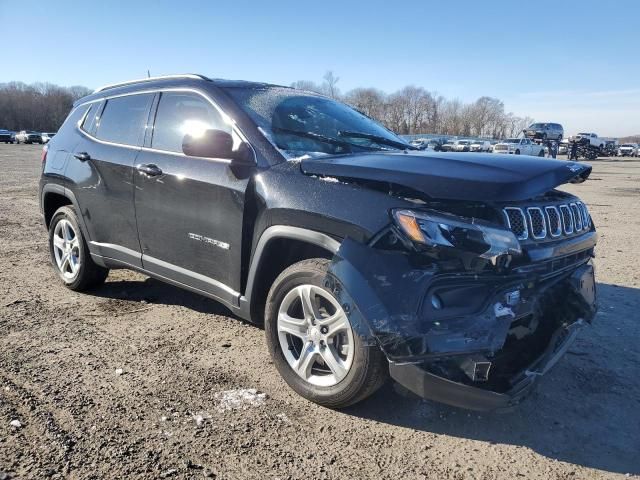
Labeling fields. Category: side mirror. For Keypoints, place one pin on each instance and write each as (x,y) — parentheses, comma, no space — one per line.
(217,144)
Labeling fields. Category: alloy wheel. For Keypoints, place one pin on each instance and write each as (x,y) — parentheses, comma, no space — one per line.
(315,335)
(66,249)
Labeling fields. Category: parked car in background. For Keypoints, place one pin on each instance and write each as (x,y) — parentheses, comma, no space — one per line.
(544,131)
(462,145)
(46,136)
(28,136)
(588,139)
(480,146)
(448,146)
(519,146)
(628,150)
(420,143)
(7,136)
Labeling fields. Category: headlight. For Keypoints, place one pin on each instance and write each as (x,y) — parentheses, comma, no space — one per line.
(441,230)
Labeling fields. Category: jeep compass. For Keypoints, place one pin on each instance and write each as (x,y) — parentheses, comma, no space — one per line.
(464,277)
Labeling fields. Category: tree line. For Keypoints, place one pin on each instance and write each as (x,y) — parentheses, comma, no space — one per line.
(40,106)
(411,110)
(414,110)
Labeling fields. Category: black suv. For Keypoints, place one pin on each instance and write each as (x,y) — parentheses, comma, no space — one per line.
(463,276)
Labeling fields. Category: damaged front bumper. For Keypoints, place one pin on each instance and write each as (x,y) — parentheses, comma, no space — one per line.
(434,387)
(477,341)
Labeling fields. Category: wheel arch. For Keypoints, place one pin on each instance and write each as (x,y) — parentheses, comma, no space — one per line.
(54,196)
(279,247)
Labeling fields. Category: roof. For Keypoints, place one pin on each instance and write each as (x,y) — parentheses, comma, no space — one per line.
(173,80)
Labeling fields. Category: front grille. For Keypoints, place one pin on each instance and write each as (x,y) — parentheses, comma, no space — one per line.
(547,221)
(500,147)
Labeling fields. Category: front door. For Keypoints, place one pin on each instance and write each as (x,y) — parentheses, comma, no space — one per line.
(189,210)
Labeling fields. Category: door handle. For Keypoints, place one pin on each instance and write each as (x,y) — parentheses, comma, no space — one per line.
(82,156)
(149,169)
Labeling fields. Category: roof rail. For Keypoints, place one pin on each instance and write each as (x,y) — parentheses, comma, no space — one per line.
(150,79)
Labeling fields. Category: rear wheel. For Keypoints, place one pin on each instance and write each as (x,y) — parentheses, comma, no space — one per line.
(541,153)
(70,255)
(312,343)
(517,152)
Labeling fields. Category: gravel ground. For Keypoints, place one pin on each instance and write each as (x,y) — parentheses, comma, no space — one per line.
(129,381)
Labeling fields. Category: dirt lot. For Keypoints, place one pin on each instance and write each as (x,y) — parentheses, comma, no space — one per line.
(164,415)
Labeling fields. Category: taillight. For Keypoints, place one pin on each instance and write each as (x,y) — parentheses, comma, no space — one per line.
(45,149)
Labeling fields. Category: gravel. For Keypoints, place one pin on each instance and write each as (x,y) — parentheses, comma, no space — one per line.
(167,416)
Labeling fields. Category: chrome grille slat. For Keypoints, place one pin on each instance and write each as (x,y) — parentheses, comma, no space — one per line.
(553,219)
(577,218)
(517,222)
(586,219)
(567,219)
(536,222)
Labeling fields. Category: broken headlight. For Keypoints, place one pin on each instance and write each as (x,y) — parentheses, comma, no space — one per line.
(444,231)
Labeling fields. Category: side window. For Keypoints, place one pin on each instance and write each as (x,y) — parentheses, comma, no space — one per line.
(90,118)
(123,119)
(180,113)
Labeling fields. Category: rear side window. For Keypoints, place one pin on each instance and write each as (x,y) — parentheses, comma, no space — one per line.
(123,119)
(182,113)
(90,118)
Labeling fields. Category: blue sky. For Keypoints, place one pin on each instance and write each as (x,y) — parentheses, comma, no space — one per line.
(568,61)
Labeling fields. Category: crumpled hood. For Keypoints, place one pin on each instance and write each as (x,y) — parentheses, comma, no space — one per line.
(454,176)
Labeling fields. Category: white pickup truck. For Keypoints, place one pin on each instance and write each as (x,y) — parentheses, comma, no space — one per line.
(588,139)
(519,146)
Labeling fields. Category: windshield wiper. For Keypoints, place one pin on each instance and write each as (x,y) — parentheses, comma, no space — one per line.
(377,139)
(315,136)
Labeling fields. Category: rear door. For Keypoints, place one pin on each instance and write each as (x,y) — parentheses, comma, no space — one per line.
(101,174)
(189,209)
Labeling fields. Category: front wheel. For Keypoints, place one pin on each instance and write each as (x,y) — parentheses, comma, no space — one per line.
(541,153)
(517,152)
(311,341)
(70,255)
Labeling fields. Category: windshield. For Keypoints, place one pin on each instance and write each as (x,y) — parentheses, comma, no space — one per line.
(300,123)
(463,142)
(512,140)
(585,134)
(537,125)
(628,145)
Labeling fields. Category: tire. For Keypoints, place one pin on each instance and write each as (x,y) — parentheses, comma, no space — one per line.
(541,153)
(365,367)
(17,142)
(66,241)
(517,152)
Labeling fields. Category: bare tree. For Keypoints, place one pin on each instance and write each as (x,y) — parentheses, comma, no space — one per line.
(410,110)
(369,101)
(40,106)
(330,84)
